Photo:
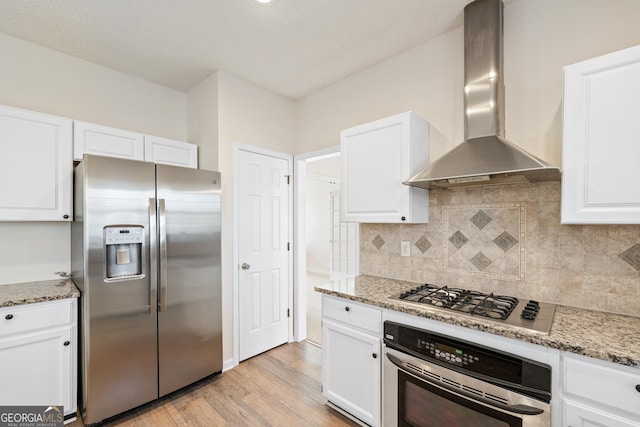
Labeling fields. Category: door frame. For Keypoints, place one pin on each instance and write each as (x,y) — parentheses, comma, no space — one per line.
(300,238)
(237,147)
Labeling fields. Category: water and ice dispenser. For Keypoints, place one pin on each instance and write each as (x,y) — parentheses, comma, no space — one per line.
(123,251)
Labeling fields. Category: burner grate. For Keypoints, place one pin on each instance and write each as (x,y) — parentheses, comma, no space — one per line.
(471,302)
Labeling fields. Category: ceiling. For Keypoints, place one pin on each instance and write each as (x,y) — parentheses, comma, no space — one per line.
(292,47)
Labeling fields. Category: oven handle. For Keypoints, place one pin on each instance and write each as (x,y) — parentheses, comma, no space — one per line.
(516,409)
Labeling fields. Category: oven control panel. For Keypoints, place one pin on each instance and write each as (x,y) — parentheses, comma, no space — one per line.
(464,356)
(447,353)
(472,359)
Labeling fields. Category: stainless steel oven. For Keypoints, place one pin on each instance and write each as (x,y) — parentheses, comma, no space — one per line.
(434,380)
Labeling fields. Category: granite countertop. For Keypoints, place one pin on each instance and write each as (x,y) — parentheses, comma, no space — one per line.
(32,292)
(606,336)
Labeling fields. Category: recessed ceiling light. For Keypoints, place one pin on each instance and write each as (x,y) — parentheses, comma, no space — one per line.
(266,2)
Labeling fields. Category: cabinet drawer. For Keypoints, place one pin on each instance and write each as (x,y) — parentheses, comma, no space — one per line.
(606,384)
(24,318)
(352,313)
(580,415)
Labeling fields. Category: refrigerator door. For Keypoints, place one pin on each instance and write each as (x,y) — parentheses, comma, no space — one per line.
(118,320)
(189,310)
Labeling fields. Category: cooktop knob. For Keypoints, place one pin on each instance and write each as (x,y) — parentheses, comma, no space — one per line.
(528,314)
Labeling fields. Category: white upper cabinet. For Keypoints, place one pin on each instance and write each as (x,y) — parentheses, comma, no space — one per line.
(601,140)
(170,152)
(36,170)
(90,138)
(377,158)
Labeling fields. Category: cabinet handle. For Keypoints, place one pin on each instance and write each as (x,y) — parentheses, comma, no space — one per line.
(638,388)
(66,343)
(9,316)
(375,356)
(404,218)
(65,216)
(347,308)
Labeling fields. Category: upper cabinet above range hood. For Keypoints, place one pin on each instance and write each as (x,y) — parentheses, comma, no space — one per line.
(485,157)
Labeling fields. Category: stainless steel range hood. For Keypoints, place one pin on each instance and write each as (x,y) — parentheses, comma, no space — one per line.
(485,157)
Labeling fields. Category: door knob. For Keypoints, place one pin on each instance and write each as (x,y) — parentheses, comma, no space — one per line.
(245,266)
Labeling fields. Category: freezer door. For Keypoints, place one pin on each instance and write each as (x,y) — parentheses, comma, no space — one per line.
(118,320)
(189,311)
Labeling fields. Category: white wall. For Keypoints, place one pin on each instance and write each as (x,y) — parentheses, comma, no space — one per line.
(255,116)
(202,121)
(40,79)
(540,36)
(318,221)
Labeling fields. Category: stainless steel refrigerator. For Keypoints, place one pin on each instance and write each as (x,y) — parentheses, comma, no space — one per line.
(146,258)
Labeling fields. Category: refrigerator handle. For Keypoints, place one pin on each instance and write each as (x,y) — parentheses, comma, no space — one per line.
(162,259)
(153,263)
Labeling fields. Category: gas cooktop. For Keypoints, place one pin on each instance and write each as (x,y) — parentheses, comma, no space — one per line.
(506,310)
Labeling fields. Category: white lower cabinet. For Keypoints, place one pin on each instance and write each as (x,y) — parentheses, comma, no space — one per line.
(599,393)
(580,415)
(351,358)
(38,355)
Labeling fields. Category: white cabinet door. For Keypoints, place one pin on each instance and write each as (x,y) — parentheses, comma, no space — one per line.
(601,140)
(36,369)
(599,393)
(170,152)
(38,354)
(90,138)
(351,370)
(581,415)
(377,158)
(36,170)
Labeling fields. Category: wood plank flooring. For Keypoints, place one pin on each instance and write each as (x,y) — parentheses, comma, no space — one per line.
(278,388)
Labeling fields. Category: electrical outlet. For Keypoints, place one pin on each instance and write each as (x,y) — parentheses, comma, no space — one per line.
(405,248)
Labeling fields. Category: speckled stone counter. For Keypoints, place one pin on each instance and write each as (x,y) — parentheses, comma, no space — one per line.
(32,292)
(606,336)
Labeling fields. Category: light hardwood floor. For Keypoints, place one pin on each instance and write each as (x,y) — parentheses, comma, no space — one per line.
(278,388)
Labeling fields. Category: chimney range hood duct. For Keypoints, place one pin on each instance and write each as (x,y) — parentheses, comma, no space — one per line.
(485,157)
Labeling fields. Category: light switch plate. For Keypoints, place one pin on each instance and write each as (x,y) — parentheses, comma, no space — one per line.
(405,248)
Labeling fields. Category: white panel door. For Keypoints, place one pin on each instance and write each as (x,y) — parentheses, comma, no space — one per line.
(263,229)
(344,243)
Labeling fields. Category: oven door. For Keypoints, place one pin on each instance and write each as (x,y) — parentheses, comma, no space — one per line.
(419,393)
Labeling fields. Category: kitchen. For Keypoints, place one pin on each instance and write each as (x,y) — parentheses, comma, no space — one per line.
(426,79)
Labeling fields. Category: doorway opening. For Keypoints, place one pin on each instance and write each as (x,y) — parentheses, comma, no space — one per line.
(326,249)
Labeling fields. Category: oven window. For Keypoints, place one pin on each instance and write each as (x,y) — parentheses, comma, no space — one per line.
(421,404)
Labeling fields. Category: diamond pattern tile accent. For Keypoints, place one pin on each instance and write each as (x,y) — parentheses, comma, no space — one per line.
(632,256)
(378,242)
(423,244)
(480,261)
(505,241)
(480,219)
(470,245)
(458,239)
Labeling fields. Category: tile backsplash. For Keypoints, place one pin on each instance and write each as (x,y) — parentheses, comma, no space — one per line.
(508,239)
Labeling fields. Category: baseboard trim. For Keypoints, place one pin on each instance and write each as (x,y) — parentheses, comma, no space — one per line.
(228,364)
(346,414)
